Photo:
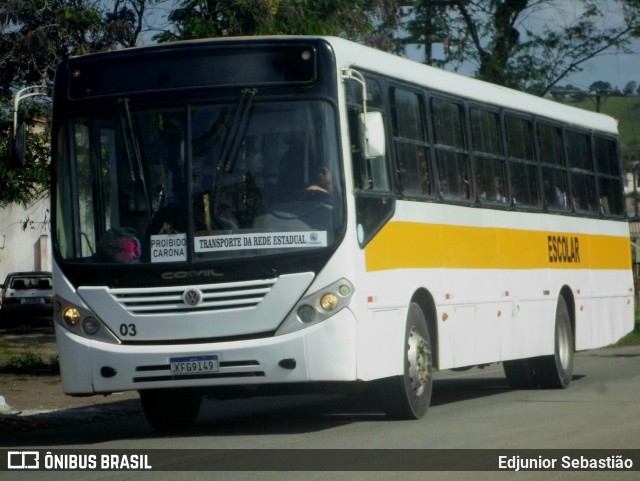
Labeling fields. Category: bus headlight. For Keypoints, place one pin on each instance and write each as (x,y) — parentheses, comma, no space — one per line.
(317,307)
(329,302)
(81,321)
(71,316)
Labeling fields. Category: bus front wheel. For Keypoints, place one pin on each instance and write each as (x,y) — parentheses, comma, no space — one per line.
(408,396)
(170,409)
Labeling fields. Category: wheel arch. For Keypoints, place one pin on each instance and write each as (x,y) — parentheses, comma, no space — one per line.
(424,299)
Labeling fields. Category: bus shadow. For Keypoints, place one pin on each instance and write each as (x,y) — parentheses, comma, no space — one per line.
(318,413)
(262,416)
(447,391)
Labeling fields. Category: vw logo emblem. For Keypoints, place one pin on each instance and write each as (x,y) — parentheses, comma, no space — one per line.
(192,297)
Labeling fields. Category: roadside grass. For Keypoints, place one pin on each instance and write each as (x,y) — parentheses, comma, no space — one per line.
(633,338)
(30,358)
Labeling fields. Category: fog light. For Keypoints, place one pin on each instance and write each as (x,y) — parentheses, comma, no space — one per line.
(329,302)
(344,290)
(71,316)
(306,313)
(90,326)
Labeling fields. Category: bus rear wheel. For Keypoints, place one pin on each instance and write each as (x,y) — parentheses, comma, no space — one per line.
(550,372)
(555,371)
(171,409)
(408,396)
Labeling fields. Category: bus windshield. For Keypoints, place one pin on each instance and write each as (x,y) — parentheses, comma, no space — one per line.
(198,182)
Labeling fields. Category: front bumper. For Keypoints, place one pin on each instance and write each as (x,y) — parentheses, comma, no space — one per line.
(323,352)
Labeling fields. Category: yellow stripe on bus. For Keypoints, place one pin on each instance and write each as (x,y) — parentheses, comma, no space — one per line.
(415,245)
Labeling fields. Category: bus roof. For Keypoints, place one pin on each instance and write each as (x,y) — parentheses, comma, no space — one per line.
(354,55)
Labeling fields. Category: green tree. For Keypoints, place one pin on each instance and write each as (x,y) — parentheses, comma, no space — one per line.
(630,88)
(525,44)
(601,91)
(365,20)
(35,35)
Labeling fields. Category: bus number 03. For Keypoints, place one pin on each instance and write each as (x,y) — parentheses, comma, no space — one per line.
(128,330)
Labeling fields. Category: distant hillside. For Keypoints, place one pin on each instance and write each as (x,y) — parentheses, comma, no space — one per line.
(627,111)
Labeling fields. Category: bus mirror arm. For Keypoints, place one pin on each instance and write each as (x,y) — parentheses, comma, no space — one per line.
(371,124)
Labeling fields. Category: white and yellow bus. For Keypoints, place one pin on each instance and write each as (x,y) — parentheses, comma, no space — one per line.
(259,214)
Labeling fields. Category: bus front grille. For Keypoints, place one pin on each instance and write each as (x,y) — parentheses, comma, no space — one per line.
(213,297)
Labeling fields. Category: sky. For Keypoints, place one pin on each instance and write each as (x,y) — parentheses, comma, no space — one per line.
(616,68)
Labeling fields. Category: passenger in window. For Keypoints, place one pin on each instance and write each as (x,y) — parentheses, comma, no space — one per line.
(464,186)
(425,178)
(554,196)
(443,184)
(581,204)
(498,183)
(495,191)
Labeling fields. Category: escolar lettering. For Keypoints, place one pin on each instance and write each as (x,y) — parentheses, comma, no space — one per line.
(563,249)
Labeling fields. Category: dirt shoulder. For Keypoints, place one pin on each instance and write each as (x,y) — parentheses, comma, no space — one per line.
(28,394)
(35,399)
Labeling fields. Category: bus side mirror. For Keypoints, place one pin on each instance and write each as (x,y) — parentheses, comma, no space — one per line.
(17,147)
(372,136)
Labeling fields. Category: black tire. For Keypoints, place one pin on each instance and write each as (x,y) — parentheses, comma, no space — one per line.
(520,374)
(555,371)
(171,409)
(408,396)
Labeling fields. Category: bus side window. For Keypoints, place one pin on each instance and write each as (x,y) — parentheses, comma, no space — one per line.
(554,175)
(609,178)
(490,163)
(583,182)
(409,137)
(452,157)
(522,169)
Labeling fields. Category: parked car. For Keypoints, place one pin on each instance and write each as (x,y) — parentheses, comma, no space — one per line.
(26,296)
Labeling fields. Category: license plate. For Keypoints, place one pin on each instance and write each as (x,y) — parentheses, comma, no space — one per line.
(181,366)
(32,300)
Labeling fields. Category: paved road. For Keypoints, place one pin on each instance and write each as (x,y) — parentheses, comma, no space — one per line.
(472,409)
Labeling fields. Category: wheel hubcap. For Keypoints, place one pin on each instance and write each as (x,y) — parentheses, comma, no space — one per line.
(418,358)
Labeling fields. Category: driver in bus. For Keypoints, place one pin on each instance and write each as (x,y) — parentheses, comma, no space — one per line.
(323,180)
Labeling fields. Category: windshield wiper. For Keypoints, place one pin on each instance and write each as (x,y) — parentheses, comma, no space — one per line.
(132,149)
(237,129)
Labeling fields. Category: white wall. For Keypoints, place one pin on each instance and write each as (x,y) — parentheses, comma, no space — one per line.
(28,249)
